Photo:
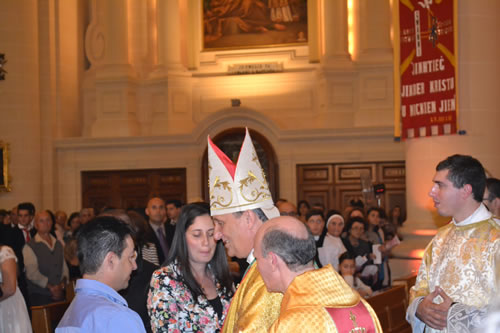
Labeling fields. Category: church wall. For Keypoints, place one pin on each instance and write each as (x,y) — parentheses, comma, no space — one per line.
(151,101)
(19,100)
(163,91)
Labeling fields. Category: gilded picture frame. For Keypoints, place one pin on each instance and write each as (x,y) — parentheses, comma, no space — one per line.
(4,167)
(248,24)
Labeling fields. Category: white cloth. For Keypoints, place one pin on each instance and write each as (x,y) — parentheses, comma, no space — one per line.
(331,250)
(14,316)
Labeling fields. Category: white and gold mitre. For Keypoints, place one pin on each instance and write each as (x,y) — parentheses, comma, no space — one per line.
(240,187)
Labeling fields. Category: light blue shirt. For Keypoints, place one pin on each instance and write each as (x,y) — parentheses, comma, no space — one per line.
(98,308)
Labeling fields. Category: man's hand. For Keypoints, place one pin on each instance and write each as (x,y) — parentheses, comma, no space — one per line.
(434,315)
(57,291)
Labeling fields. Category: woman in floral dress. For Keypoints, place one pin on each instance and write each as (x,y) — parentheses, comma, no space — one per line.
(191,293)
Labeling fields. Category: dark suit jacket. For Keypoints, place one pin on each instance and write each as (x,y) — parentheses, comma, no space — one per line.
(152,237)
(170,231)
(136,293)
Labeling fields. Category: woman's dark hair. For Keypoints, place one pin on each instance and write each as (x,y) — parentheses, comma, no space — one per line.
(381,213)
(357,203)
(71,217)
(346,256)
(401,218)
(179,252)
(302,202)
(353,220)
(371,209)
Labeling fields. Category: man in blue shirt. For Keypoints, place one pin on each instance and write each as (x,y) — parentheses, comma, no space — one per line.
(107,258)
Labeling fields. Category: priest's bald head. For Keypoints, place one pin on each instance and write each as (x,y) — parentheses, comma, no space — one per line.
(284,249)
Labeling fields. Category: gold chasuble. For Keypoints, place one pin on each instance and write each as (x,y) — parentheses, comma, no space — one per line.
(321,301)
(253,308)
(463,261)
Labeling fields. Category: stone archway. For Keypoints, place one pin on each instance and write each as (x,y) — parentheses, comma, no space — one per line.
(229,141)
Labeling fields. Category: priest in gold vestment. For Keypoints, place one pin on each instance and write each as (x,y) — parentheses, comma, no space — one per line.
(315,300)
(240,203)
(456,282)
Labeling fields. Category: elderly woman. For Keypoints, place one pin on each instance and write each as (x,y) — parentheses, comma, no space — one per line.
(193,290)
(13,312)
(332,245)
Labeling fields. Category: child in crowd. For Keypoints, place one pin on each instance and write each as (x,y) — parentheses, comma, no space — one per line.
(347,268)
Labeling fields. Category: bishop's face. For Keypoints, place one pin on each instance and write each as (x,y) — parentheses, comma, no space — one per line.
(234,233)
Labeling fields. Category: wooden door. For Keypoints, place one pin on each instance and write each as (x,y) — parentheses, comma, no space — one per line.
(131,189)
(335,185)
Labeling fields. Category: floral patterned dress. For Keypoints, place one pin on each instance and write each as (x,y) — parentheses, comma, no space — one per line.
(172,308)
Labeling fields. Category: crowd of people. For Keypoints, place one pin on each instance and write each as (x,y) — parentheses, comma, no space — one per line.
(365,236)
(171,267)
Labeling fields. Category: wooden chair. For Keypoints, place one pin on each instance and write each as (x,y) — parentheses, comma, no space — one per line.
(390,307)
(46,317)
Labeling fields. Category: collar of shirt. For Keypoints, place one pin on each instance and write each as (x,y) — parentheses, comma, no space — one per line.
(39,239)
(28,227)
(155,227)
(94,287)
(480,214)
(250,258)
(316,238)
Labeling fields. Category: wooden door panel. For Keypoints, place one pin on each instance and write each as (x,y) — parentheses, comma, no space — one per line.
(317,174)
(321,194)
(337,184)
(391,173)
(345,194)
(131,189)
(351,173)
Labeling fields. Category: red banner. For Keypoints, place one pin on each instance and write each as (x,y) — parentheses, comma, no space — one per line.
(426,68)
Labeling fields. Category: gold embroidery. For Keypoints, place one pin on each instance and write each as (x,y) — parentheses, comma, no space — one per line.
(356,329)
(218,200)
(254,195)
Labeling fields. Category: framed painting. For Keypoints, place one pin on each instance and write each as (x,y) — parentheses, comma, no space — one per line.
(242,24)
(4,167)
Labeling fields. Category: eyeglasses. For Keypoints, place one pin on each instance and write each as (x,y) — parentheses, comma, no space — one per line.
(293,214)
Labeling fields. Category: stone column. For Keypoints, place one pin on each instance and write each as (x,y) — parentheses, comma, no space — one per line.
(374,31)
(169,35)
(114,80)
(336,49)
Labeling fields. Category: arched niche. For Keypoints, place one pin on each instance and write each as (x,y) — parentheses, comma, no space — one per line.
(229,141)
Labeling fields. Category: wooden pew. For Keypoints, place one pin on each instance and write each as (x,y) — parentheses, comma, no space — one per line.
(390,307)
(407,281)
(46,317)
